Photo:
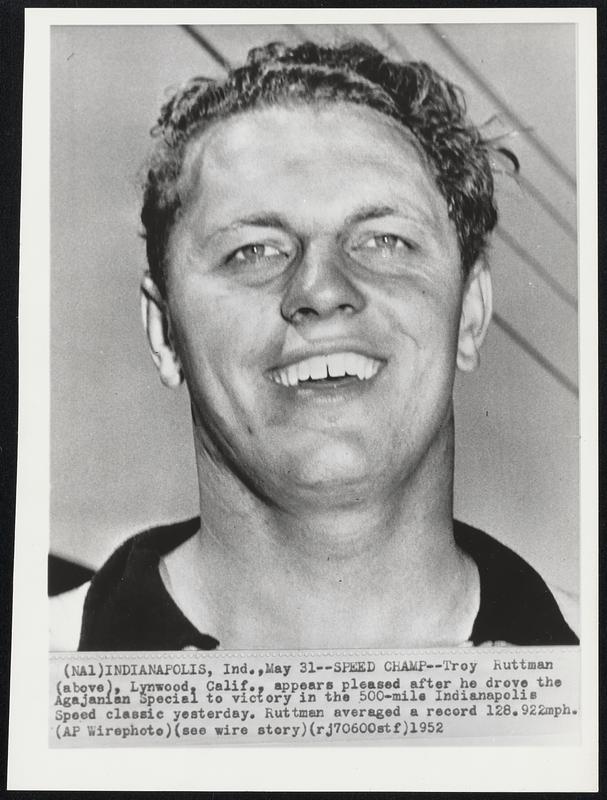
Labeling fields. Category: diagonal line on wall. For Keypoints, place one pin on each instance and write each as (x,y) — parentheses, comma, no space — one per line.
(539,197)
(394,43)
(484,85)
(535,354)
(206,45)
(537,267)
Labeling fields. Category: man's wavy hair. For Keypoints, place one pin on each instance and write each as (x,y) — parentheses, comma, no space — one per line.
(412,93)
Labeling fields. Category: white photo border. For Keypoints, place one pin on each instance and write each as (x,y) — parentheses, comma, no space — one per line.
(32,765)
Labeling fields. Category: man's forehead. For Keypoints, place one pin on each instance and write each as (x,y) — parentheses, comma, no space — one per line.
(315,168)
(298,133)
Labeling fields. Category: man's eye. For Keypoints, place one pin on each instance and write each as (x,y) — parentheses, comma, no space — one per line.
(255,252)
(386,242)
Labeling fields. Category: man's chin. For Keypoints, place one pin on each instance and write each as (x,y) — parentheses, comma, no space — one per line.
(329,471)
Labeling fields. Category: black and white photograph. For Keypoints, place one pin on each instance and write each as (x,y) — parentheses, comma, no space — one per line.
(315,367)
(324,347)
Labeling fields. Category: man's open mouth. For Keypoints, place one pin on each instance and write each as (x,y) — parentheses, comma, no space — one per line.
(332,368)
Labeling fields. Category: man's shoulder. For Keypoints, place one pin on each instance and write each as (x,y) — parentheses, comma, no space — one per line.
(148,546)
(132,557)
(516,605)
(569,605)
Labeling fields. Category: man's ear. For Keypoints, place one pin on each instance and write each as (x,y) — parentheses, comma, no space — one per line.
(477,304)
(157,327)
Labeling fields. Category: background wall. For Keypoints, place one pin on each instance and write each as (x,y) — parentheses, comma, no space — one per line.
(121,452)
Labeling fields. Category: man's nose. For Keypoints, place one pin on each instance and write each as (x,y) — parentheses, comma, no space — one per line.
(320,286)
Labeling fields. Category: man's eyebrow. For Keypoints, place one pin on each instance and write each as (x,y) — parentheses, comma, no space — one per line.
(375,212)
(256,220)
(275,220)
(370,212)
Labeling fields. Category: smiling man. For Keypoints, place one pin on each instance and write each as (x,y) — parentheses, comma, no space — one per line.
(316,229)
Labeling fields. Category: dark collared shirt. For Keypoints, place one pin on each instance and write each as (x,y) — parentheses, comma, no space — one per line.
(128,607)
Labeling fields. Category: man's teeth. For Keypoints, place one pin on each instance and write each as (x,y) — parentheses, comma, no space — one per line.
(336,365)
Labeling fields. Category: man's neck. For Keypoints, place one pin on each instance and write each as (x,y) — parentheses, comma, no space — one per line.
(381,572)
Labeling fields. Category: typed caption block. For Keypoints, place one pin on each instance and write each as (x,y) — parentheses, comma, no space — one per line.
(197,698)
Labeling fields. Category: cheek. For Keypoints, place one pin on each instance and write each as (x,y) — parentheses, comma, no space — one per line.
(428,316)
(219,334)
(425,323)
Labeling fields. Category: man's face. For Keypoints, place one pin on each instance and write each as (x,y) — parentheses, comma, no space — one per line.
(314,291)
